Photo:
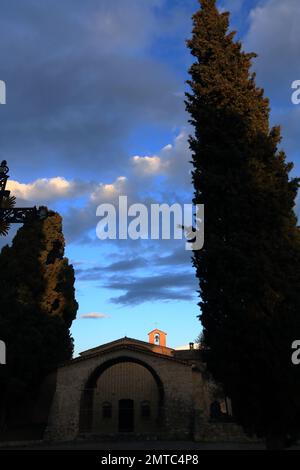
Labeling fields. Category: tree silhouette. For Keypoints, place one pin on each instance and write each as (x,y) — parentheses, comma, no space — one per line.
(249,268)
(37,309)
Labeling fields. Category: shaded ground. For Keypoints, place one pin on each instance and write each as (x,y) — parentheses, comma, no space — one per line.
(136,445)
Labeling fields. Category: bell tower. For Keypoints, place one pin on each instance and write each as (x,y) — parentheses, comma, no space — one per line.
(157,337)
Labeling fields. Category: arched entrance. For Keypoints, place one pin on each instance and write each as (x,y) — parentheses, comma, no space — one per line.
(123,395)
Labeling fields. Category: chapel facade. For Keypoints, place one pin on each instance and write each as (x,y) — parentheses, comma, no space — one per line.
(133,388)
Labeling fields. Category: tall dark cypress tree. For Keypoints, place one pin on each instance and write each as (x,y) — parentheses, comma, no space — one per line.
(37,307)
(249,268)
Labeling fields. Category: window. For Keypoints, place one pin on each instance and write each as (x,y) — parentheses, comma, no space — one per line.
(145,409)
(157,339)
(221,411)
(215,411)
(106,410)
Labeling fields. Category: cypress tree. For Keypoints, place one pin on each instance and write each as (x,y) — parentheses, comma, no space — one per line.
(249,268)
(37,309)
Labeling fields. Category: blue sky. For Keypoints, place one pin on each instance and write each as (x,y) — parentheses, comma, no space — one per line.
(95,110)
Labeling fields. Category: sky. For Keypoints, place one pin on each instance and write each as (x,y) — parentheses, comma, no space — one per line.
(95,110)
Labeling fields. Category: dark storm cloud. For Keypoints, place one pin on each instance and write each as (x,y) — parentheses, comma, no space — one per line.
(78,82)
(169,277)
(274,34)
(127,265)
(96,273)
(77,222)
(178,258)
(165,287)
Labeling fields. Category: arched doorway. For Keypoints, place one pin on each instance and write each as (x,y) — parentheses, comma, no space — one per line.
(122,395)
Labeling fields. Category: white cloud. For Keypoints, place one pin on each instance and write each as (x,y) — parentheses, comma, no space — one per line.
(43,189)
(172,161)
(110,192)
(94,315)
(149,165)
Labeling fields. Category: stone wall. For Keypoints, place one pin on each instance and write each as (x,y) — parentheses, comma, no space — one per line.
(182,385)
(221,432)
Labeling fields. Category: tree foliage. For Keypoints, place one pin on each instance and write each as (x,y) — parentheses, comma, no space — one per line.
(37,305)
(249,268)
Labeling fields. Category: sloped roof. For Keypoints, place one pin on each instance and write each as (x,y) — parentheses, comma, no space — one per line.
(127,344)
(125,340)
(159,331)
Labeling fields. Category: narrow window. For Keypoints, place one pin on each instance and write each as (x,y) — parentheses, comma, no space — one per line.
(145,409)
(106,410)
